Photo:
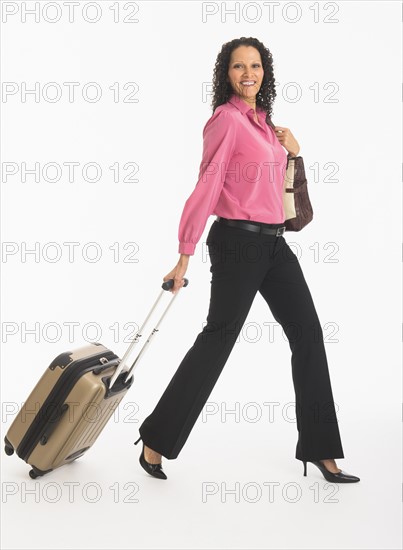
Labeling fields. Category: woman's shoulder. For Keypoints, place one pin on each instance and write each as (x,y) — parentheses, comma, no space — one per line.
(224,114)
(227,110)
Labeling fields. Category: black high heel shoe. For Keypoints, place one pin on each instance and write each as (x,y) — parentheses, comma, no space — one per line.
(340,477)
(152,469)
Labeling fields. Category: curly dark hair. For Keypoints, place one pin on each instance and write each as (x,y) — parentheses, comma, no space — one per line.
(222,89)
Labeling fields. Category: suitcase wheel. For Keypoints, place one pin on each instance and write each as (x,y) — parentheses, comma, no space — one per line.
(8,450)
(35,472)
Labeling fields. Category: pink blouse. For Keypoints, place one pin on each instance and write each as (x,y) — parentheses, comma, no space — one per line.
(241,173)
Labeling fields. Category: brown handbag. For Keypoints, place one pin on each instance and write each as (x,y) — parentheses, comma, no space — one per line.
(297,205)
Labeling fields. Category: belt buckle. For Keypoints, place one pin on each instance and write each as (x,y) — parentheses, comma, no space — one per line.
(281,229)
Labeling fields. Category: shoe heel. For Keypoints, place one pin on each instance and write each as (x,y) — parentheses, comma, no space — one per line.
(137,440)
(304,461)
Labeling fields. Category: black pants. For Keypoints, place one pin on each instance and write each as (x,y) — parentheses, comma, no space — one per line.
(243,263)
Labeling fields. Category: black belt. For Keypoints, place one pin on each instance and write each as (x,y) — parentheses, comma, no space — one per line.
(278,231)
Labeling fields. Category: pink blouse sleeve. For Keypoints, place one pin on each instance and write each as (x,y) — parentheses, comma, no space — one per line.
(218,147)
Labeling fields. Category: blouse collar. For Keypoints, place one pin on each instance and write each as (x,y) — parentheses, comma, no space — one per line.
(243,107)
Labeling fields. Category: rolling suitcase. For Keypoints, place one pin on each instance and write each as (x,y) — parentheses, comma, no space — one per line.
(73,401)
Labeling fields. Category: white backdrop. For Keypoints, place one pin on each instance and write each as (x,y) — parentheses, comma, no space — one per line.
(84,253)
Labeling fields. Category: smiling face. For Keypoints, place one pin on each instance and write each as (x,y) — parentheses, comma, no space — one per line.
(245,72)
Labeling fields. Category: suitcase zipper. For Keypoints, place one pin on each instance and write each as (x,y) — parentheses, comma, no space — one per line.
(57,395)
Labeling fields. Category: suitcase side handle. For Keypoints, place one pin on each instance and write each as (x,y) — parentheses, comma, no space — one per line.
(166,285)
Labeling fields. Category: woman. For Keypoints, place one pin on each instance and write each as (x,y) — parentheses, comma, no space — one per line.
(240,180)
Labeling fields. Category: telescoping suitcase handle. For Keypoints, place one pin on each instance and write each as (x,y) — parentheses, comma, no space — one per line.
(167,285)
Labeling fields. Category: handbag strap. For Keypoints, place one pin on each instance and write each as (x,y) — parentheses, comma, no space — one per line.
(270,123)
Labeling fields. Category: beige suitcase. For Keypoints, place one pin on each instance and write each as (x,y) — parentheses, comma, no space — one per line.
(72,402)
